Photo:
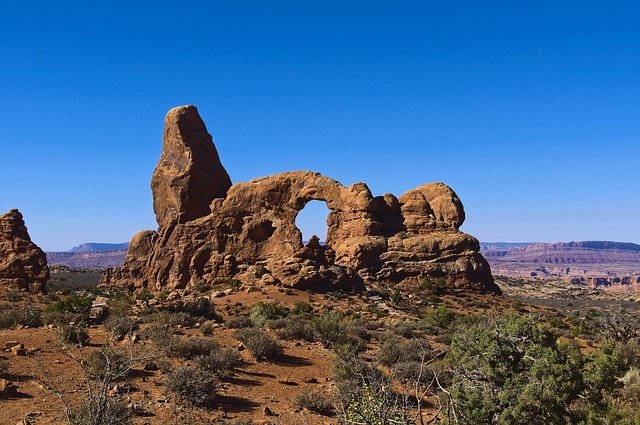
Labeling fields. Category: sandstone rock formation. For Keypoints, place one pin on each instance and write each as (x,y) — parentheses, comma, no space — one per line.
(211,231)
(22,264)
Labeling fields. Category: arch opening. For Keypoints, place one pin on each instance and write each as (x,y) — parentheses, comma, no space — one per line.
(312,220)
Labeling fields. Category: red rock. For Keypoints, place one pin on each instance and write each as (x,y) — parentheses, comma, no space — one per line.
(210,231)
(22,264)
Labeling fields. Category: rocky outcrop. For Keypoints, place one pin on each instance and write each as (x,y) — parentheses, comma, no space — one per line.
(189,174)
(211,231)
(22,264)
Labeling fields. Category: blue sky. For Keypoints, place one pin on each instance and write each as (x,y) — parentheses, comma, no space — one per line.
(529,110)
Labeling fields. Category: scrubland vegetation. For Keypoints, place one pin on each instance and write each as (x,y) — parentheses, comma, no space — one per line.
(395,358)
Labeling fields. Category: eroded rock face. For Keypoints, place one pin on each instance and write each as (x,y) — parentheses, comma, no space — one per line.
(22,264)
(247,231)
(189,174)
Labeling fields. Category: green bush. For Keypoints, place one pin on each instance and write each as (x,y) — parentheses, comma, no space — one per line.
(75,334)
(512,370)
(192,386)
(300,307)
(221,362)
(261,345)
(441,317)
(101,411)
(314,402)
(8,319)
(263,311)
(120,326)
(107,364)
(238,322)
(207,328)
(197,308)
(73,304)
(296,329)
(193,347)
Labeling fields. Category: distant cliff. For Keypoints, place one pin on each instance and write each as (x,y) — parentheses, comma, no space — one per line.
(90,256)
(584,252)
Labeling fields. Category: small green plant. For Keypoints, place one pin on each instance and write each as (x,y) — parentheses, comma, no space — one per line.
(120,326)
(314,402)
(261,345)
(207,328)
(238,322)
(263,311)
(75,334)
(193,347)
(300,307)
(221,362)
(192,386)
(441,317)
(73,304)
(107,364)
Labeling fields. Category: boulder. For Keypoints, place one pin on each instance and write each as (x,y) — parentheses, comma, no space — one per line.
(23,265)
(211,231)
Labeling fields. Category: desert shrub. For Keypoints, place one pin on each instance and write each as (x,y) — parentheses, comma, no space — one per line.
(169,319)
(602,374)
(192,386)
(301,307)
(193,347)
(221,362)
(161,337)
(119,305)
(314,402)
(120,326)
(511,370)
(4,368)
(101,411)
(295,329)
(8,319)
(264,310)
(207,328)
(238,322)
(196,308)
(330,327)
(404,329)
(364,393)
(62,318)
(14,296)
(75,334)
(74,304)
(437,286)
(107,364)
(261,345)
(30,316)
(441,317)
(631,385)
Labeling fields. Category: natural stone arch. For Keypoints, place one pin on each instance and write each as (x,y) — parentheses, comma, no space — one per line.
(269,207)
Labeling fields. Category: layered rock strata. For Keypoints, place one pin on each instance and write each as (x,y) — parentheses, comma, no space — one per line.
(211,231)
(23,265)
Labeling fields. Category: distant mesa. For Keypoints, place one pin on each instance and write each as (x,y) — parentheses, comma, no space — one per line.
(100,247)
(584,252)
(23,265)
(595,263)
(210,230)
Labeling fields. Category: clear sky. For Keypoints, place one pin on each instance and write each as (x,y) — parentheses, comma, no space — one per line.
(530,111)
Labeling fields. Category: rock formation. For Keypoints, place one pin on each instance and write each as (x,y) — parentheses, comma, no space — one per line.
(211,231)
(22,264)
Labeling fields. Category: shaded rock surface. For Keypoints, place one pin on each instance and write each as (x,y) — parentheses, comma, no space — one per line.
(23,265)
(211,231)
